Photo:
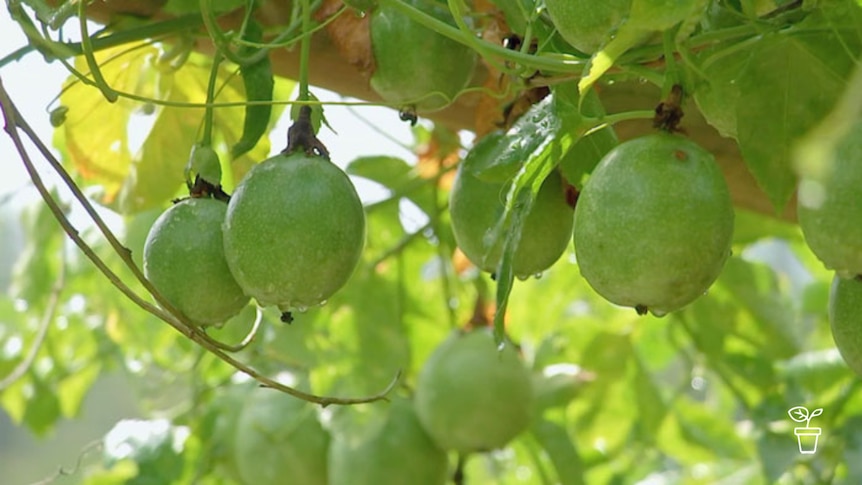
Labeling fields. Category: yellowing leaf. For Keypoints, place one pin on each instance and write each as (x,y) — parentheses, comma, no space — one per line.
(97,133)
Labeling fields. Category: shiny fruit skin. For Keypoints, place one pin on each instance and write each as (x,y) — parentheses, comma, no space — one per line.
(294,231)
(654,224)
(413,61)
(397,451)
(829,228)
(845,319)
(476,207)
(470,396)
(279,441)
(587,24)
(184,259)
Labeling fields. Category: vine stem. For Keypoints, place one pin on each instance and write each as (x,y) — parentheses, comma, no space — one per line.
(209,112)
(305,51)
(87,48)
(15,122)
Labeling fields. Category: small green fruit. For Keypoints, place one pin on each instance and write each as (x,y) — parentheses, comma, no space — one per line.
(827,217)
(587,24)
(294,231)
(396,451)
(184,258)
(471,396)
(654,224)
(845,317)
(413,61)
(477,207)
(279,441)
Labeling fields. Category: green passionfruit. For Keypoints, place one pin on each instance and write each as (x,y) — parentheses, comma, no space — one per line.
(654,223)
(185,260)
(470,396)
(294,231)
(414,62)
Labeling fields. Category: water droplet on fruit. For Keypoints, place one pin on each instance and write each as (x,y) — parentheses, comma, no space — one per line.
(302,308)
(523,277)
(538,276)
(323,302)
(658,313)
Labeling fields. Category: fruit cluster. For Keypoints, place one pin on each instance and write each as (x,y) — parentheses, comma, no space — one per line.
(468,399)
(290,236)
(652,225)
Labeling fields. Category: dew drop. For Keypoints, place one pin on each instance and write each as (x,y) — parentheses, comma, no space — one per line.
(658,313)
(323,302)
(302,308)
(538,275)
(522,277)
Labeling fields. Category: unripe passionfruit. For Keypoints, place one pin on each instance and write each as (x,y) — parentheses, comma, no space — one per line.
(476,207)
(279,441)
(184,258)
(394,451)
(413,61)
(829,208)
(472,397)
(845,318)
(587,24)
(294,231)
(654,223)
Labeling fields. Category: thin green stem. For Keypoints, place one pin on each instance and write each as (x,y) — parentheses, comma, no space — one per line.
(305,51)
(566,64)
(209,112)
(87,47)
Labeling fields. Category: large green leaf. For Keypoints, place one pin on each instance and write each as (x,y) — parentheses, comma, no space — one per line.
(791,81)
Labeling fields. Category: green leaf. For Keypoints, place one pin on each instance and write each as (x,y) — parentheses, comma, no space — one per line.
(399,177)
(259,84)
(756,288)
(852,453)
(43,408)
(651,407)
(588,150)
(35,273)
(791,82)
(777,454)
(556,442)
(538,140)
(700,426)
(73,389)
(718,94)
(816,370)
